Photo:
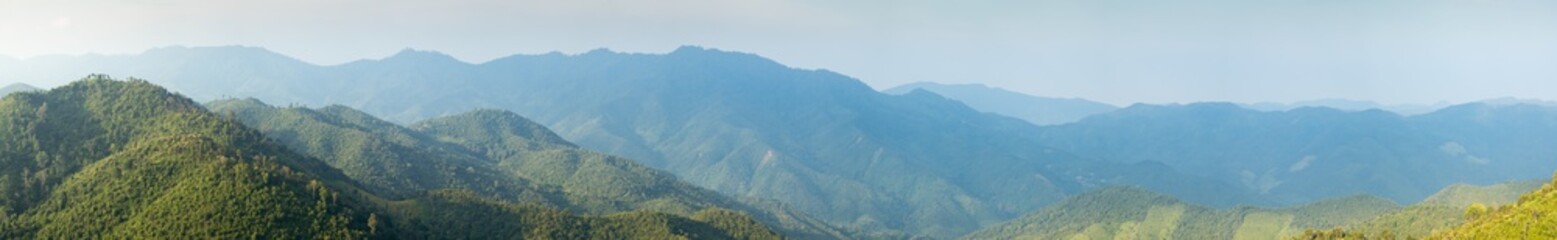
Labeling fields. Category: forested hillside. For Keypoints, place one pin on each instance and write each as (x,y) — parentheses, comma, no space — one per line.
(101,158)
(495,154)
(1529,218)
(1134,213)
(1444,210)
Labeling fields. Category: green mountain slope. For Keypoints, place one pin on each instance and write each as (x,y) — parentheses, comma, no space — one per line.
(1034,109)
(459,214)
(1529,218)
(494,154)
(106,159)
(1134,213)
(101,158)
(1443,210)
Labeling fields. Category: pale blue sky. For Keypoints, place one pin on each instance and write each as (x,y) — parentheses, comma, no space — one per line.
(1117,51)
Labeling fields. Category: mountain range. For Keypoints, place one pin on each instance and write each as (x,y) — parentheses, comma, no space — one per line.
(102,158)
(1307,154)
(746,126)
(817,143)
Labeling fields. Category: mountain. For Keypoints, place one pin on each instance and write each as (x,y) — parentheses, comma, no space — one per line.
(1034,109)
(828,145)
(1134,213)
(1529,218)
(1348,105)
(494,154)
(1443,210)
(817,141)
(1311,153)
(1140,214)
(16,87)
(101,158)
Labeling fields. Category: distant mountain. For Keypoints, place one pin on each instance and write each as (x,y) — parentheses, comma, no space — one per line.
(1034,109)
(16,87)
(1311,153)
(743,125)
(495,154)
(101,158)
(1349,105)
(1134,213)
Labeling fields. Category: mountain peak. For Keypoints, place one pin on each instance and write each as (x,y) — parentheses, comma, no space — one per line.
(422,56)
(17,87)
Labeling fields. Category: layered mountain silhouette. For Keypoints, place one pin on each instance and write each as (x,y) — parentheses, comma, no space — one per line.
(827,145)
(1311,153)
(101,158)
(1034,109)
(821,142)
(495,154)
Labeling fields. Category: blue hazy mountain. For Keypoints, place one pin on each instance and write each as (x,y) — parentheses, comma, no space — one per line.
(821,142)
(16,87)
(1349,105)
(1309,153)
(1035,109)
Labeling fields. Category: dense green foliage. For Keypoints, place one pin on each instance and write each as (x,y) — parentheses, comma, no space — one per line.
(494,154)
(458,214)
(1134,213)
(101,158)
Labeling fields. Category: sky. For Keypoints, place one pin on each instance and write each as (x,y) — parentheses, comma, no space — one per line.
(1115,51)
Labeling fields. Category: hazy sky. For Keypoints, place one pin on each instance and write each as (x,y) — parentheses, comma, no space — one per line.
(1118,51)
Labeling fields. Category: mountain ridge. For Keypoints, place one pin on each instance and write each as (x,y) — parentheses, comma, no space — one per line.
(1035,109)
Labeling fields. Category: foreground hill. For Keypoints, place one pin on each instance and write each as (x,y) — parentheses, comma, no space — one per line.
(107,159)
(495,154)
(743,125)
(1530,218)
(101,158)
(1443,210)
(1134,213)
(1034,109)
